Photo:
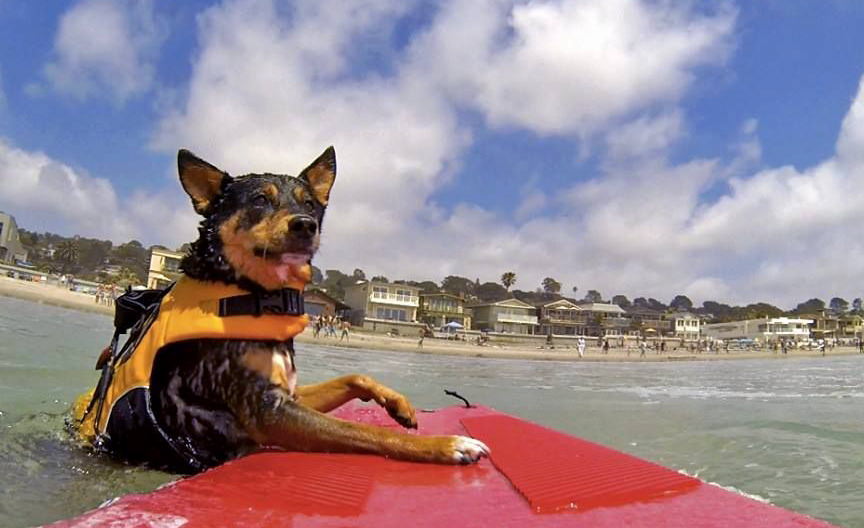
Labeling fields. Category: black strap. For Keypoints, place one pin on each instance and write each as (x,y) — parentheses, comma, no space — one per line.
(286,301)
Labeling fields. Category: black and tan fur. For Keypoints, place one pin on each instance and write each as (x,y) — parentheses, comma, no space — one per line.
(222,398)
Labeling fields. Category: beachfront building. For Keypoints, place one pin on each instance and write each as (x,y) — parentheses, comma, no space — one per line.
(605,319)
(318,302)
(439,309)
(508,316)
(765,330)
(648,322)
(374,302)
(825,325)
(686,325)
(11,249)
(561,317)
(164,268)
(851,326)
(828,325)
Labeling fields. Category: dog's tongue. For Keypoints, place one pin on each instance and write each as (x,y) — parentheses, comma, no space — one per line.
(287,261)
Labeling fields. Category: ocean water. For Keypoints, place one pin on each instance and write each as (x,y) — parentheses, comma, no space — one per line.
(788,431)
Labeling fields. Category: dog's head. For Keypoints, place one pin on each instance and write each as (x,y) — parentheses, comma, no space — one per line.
(258,228)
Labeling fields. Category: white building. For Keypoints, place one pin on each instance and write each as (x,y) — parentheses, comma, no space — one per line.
(375,302)
(508,316)
(766,329)
(164,268)
(686,325)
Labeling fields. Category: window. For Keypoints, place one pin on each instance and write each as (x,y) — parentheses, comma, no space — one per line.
(172,264)
(391,314)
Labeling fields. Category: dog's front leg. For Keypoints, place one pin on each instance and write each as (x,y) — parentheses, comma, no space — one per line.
(273,418)
(329,395)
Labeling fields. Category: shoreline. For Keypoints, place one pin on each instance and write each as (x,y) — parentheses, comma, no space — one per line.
(52,295)
(496,351)
(56,296)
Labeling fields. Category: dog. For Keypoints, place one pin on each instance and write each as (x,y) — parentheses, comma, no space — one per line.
(223,383)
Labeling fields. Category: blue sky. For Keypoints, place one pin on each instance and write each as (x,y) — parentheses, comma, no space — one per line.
(629,146)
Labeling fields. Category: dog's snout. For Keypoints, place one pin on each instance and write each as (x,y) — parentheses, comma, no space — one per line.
(303,226)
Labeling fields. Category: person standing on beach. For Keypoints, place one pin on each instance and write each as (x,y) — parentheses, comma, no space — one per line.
(422,334)
(580,347)
(643,346)
(344,326)
(606,346)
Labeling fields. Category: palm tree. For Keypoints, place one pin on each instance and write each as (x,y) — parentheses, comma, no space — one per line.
(67,254)
(508,279)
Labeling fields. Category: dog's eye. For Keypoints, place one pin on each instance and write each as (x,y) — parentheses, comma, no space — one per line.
(309,204)
(260,201)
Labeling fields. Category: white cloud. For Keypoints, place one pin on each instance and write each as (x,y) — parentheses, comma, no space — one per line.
(571,66)
(268,92)
(49,195)
(105,46)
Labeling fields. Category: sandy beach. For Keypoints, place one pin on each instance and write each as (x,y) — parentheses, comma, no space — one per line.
(53,295)
(507,351)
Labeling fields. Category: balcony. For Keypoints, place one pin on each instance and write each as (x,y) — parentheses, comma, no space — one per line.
(394,298)
(517,318)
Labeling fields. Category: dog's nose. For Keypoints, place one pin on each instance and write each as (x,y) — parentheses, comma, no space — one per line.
(303,226)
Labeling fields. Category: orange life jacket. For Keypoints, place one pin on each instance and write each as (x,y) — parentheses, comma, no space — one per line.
(192,309)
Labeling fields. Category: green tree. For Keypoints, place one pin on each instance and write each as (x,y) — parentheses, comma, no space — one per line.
(490,292)
(681,303)
(593,296)
(838,305)
(380,278)
(457,285)
(857,305)
(654,304)
(359,274)
(508,279)
(335,283)
(550,285)
(811,306)
(426,286)
(621,300)
(126,277)
(67,254)
(317,276)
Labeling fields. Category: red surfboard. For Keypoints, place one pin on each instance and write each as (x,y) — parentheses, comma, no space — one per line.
(536,477)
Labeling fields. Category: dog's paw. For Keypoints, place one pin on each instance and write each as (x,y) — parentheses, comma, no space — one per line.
(467,450)
(401,410)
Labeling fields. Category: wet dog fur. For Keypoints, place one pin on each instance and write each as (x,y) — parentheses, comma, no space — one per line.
(224,398)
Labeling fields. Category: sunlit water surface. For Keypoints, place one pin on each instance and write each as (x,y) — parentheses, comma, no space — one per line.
(790,431)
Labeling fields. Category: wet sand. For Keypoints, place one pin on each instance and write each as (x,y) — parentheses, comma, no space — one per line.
(47,294)
(53,295)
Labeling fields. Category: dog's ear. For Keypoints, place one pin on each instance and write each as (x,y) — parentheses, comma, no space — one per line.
(201,181)
(320,175)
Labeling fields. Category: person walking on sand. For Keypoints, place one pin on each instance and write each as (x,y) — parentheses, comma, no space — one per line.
(580,347)
(643,346)
(345,326)
(422,334)
(606,346)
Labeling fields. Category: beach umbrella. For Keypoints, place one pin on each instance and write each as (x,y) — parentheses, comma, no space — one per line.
(453,324)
